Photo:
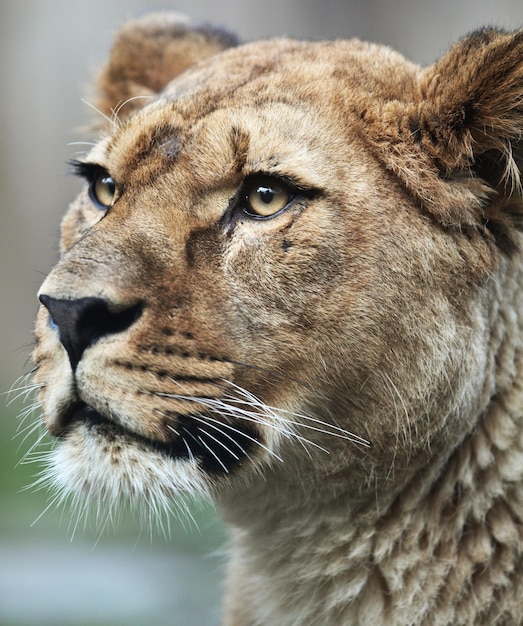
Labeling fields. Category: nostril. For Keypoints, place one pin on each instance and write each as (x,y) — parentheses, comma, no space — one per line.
(83,321)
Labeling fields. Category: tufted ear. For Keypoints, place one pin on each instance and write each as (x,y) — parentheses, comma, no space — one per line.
(148,53)
(458,147)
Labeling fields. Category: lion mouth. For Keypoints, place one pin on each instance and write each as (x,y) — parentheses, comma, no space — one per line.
(94,420)
(82,412)
(214,455)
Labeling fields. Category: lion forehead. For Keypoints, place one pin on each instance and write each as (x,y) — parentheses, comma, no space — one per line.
(229,143)
(233,111)
(292,71)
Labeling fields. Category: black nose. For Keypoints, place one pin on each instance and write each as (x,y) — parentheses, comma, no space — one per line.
(82,322)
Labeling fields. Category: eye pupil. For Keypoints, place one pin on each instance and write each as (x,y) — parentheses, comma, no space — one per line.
(266,194)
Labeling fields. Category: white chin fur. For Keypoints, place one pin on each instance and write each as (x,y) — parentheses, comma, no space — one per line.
(110,473)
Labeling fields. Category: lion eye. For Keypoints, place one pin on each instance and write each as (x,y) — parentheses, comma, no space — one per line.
(265,197)
(102,190)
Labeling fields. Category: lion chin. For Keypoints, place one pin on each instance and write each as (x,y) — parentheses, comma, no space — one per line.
(293,285)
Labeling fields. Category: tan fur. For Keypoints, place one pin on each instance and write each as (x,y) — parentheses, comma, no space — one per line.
(366,340)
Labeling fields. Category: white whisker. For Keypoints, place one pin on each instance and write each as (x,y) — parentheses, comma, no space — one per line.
(53,503)
(172,429)
(227,410)
(27,412)
(42,435)
(209,450)
(207,420)
(122,104)
(252,400)
(19,390)
(189,451)
(101,113)
(22,392)
(207,402)
(28,428)
(82,143)
(220,443)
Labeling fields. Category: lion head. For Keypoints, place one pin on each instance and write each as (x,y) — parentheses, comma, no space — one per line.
(292,281)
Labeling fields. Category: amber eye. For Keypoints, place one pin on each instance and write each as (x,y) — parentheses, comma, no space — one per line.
(102,190)
(264,197)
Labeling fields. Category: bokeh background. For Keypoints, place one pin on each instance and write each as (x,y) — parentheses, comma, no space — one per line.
(52,573)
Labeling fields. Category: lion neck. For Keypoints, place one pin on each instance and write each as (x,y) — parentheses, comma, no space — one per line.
(442,547)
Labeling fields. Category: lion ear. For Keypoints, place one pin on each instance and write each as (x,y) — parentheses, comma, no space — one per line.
(148,53)
(457,142)
(473,113)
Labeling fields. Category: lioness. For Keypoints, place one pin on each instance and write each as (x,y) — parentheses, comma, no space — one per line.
(293,284)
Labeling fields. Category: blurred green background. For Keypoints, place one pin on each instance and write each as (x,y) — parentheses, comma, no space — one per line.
(48,51)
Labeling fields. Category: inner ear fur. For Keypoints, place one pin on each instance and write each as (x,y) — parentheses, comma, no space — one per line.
(148,53)
(457,144)
(474,105)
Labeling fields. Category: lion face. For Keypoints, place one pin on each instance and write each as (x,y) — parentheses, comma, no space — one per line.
(247,286)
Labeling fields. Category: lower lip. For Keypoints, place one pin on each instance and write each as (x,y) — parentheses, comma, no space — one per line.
(85,414)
